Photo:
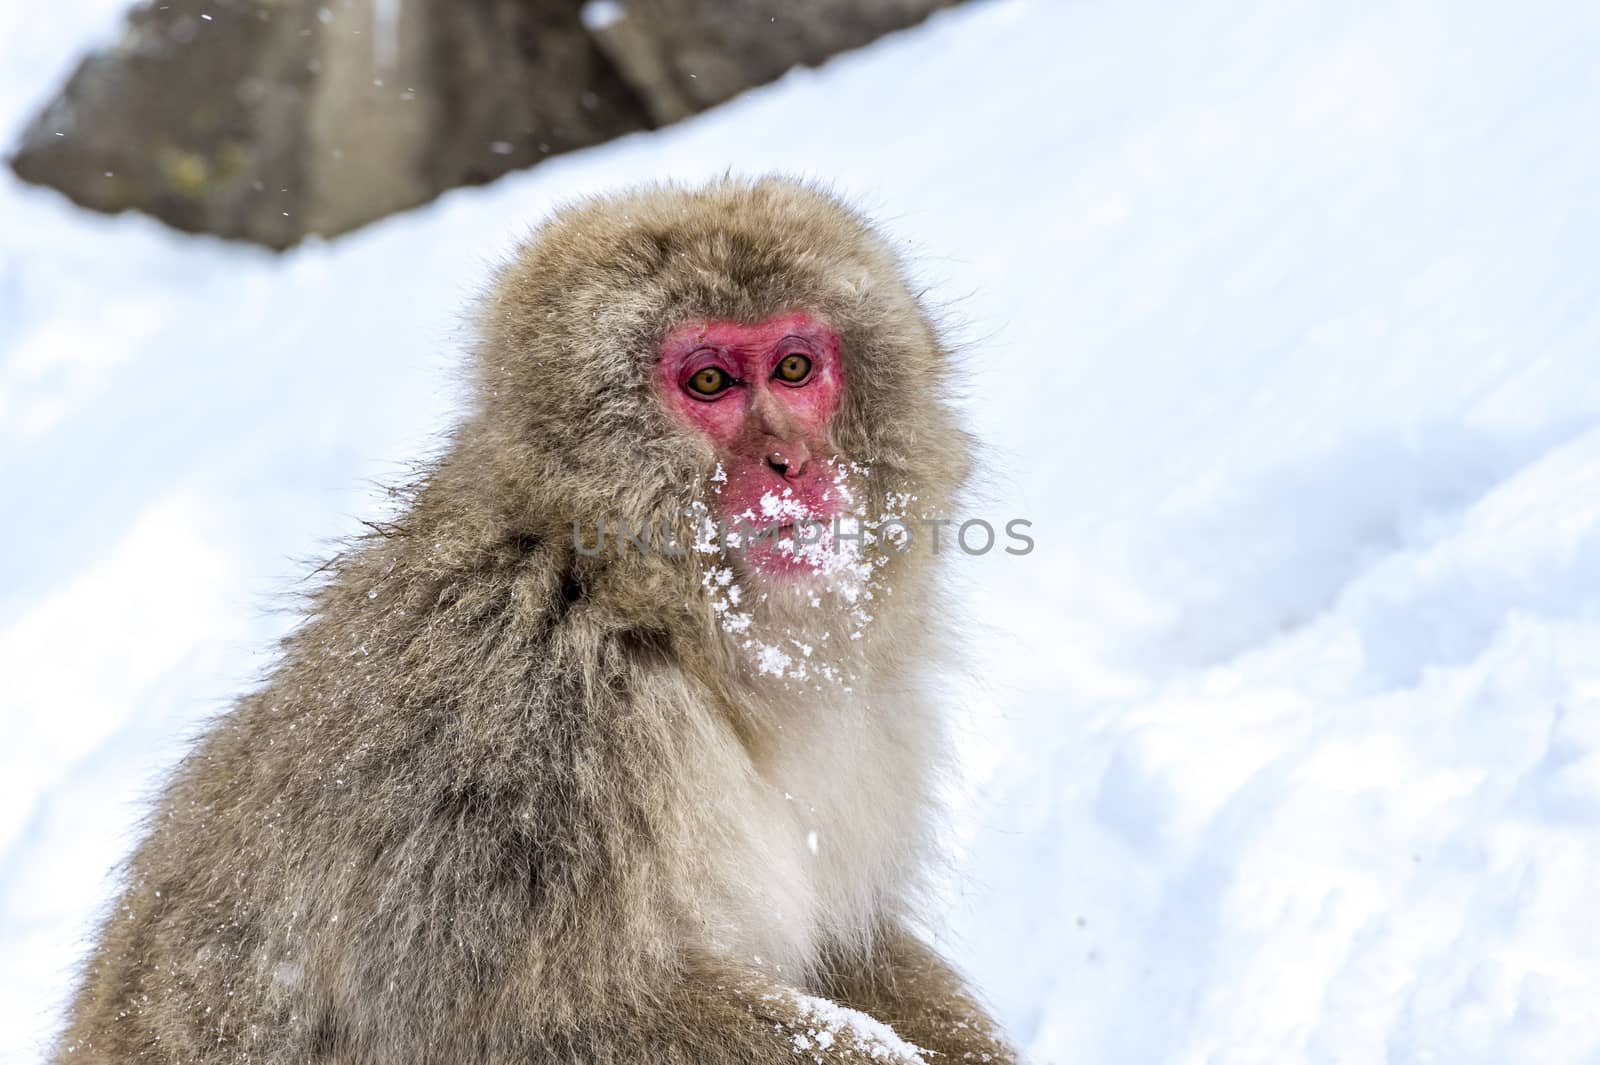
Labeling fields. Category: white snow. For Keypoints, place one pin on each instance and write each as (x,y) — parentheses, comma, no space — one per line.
(826,1021)
(600,14)
(1282,328)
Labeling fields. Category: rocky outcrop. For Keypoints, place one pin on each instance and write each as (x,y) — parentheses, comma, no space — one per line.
(196,115)
(683,56)
(271,119)
(268,120)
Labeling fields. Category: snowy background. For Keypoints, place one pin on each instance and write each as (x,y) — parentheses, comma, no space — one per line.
(1283,323)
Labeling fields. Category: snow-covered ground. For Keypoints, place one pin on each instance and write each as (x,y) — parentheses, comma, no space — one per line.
(1283,323)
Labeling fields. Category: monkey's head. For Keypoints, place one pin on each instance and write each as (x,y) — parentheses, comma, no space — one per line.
(748,352)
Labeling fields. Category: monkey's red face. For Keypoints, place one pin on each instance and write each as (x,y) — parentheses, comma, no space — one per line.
(762,395)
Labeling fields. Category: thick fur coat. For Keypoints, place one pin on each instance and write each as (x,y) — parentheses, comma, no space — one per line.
(503,801)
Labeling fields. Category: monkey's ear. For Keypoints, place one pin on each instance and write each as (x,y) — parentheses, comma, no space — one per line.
(570,591)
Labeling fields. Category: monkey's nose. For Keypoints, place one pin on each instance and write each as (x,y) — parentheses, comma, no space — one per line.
(787,464)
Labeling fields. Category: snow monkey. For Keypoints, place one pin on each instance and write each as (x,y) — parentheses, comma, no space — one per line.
(513,794)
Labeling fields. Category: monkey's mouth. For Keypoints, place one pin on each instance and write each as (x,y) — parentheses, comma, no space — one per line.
(794,548)
(789,530)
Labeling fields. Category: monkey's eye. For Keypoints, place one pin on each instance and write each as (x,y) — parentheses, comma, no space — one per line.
(711,381)
(793,369)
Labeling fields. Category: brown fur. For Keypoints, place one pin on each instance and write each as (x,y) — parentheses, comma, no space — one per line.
(502,802)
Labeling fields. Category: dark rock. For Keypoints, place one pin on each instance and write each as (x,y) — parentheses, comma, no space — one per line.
(526,81)
(194,115)
(683,56)
(268,120)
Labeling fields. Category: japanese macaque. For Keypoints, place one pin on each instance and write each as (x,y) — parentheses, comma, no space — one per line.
(513,796)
